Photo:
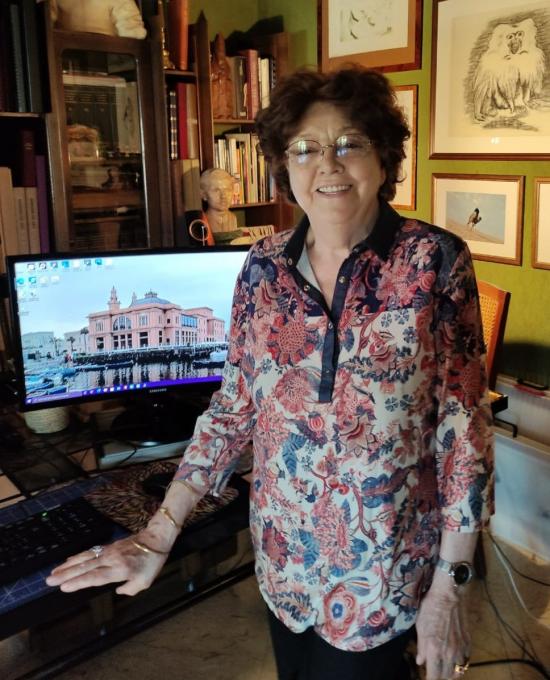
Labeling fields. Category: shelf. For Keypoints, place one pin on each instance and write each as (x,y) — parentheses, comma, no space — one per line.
(176,73)
(233,121)
(241,206)
(89,200)
(15,114)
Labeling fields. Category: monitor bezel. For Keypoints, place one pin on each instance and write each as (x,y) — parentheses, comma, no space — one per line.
(200,388)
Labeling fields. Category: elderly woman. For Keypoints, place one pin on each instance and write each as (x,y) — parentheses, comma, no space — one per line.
(356,368)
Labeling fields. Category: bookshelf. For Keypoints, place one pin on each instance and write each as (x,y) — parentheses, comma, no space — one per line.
(100,194)
(262,210)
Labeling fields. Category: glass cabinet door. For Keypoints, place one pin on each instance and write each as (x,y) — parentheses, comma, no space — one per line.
(107,202)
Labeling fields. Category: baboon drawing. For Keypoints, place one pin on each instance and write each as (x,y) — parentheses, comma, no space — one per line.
(510,71)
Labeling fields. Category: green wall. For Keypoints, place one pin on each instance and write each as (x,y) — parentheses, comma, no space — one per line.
(225,16)
(526,351)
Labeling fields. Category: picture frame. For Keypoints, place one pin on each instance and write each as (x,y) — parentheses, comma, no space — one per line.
(484,210)
(384,35)
(541,224)
(405,194)
(490,80)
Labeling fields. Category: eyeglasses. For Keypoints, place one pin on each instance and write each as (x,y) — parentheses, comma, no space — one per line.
(308,151)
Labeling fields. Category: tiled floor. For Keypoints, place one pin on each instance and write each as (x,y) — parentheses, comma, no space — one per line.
(225,637)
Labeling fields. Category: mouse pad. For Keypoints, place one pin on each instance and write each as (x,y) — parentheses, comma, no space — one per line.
(124,501)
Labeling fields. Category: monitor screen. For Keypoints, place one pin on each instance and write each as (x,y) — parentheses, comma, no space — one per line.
(97,326)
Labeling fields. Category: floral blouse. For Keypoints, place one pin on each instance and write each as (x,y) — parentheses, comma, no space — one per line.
(370,425)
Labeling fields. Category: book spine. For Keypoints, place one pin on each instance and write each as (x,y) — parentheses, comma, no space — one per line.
(26,161)
(33,225)
(42,201)
(252,84)
(173,123)
(193,143)
(30,40)
(20,202)
(181,98)
(22,104)
(7,208)
(6,72)
(178,32)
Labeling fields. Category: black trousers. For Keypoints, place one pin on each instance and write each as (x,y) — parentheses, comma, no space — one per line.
(306,656)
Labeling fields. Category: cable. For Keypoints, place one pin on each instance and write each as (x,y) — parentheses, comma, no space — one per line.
(525,576)
(495,662)
(516,638)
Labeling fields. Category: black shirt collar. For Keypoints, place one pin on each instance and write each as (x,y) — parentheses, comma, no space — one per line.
(380,239)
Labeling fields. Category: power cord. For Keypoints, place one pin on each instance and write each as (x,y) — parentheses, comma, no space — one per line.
(518,572)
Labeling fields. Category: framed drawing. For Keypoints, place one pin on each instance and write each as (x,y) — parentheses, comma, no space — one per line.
(405,195)
(484,210)
(541,231)
(381,34)
(490,79)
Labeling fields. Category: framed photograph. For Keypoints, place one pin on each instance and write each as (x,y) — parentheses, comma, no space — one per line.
(405,195)
(381,34)
(484,210)
(490,79)
(541,221)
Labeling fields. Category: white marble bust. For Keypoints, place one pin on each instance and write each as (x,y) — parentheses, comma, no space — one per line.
(111,17)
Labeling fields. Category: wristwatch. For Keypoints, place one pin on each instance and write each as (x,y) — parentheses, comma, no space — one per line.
(461,572)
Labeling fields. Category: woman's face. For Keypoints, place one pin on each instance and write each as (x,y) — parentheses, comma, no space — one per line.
(332,191)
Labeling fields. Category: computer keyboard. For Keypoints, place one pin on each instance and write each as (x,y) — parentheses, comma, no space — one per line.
(49,536)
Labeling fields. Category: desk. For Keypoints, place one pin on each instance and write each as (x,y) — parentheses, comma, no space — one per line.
(98,618)
(499,402)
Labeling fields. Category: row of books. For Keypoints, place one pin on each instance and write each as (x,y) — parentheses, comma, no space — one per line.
(238,154)
(183,121)
(22,43)
(24,211)
(253,77)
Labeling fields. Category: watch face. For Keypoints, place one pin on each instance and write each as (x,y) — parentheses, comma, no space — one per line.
(462,573)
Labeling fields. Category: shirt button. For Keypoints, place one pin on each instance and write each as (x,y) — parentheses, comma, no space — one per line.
(306,287)
(290,261)
(330,325)
(342,279)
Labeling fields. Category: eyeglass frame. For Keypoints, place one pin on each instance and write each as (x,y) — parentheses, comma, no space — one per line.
(323,147)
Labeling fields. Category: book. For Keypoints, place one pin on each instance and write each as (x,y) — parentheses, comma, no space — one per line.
(191,184)
(193,143)
(173,123)
(252,84)
(31,45)
(238,76)
(181,97)
(24,168)
(178,32)
(43,203)
(7,86)
(33,223)
(7,209)
(16,44)
(20,202)
(265,81)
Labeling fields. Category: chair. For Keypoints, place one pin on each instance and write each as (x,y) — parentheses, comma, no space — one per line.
(494,303)
(494,310)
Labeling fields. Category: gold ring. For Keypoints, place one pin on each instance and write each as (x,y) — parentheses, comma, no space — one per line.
(460,669)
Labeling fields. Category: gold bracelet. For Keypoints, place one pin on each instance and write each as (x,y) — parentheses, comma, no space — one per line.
(164,511)
(186,485)
(146,549)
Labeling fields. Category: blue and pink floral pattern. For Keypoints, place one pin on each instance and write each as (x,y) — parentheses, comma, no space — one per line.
(370,425)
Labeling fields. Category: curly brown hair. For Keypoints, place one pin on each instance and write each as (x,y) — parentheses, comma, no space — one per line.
(367,98)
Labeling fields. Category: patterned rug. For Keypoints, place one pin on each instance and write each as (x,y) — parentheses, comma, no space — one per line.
(123,499)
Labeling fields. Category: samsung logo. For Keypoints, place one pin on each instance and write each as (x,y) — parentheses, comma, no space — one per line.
(158,389)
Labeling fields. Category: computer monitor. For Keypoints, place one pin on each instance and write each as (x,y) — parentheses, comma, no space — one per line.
(135,324)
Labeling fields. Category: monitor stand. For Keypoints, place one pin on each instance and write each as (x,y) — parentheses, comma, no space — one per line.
(148,421)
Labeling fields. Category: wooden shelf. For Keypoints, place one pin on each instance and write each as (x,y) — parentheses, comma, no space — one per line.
(233,121)
(242,206)
(15,114)
(94,200)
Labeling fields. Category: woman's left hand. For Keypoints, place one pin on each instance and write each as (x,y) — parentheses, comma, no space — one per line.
(443,641)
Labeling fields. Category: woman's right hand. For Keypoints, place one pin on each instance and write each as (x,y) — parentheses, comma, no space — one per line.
(120,561)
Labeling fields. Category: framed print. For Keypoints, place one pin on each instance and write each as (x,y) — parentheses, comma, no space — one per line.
(490,79)
(405,194)
(541,231)
(381,34)
(484,210)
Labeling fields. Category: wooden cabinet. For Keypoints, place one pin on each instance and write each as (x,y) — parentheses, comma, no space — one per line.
(104,162)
